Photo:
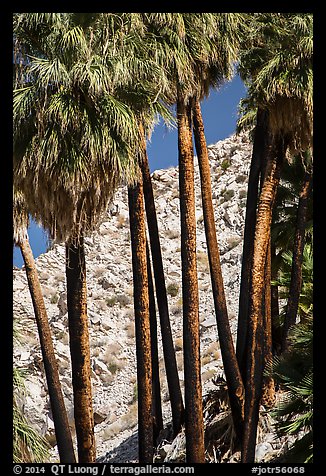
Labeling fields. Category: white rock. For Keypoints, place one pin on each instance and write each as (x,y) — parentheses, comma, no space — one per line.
(262,449)
(209,322)
(25,355)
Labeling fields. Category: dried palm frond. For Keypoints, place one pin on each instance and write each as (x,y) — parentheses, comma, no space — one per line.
(20,217)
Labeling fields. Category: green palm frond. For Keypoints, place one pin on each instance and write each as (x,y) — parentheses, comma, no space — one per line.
(51,72)
(28,445)
(284,277)
(293,371)
(276,63)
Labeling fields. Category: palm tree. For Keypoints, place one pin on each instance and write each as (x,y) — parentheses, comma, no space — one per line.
(166,29)
(142,320)
(189,39)
(192,367)
(156,386)
(142,84)
(220,55)
(296,274)
(60,418)
(72,146)
(288,99)
(79,347)
(167,340)
(268,386)
(255,331)
(259,149)
(283,233)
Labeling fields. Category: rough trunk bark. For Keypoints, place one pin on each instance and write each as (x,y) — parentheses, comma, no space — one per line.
(156,387)
(142,323)
(60,418)
(195,451)
(80,350)
(268,391)
(259,148)
(296,272)
(255,324)
(171,367)
(231,368)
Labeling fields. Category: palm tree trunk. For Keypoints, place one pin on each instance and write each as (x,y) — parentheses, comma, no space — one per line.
(195,451)
(231,368)
(80,350)
(255,324)
(142,321)
(268,392)
(296,273)
(156,387)
(259,147)
(275,308)
(60,419)
(171,367)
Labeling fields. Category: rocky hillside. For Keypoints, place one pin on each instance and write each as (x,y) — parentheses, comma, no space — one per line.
(110,302)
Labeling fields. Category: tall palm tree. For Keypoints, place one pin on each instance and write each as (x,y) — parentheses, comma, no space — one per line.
(184,37)
(283,234)
(288,99)
(299,242)
(177,406)
(171,53)
(215,66)
(142,82)
(142,321)
(190,299)
(177,36)
(72,146)
(60,418)
(156,386)
(79,347)
(260,141)
(268,388)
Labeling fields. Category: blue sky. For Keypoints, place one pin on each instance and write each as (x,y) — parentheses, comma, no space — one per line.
(220,116)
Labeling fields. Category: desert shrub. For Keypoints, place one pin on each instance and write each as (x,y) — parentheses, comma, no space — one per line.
(225,164)
(241,178)
(54,299)
(228,194)
(172,289)
(243,193)
(111,301)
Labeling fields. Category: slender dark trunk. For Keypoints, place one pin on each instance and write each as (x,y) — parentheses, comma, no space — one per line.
(171,367)
(156,387)
(297,259)
(258,152)
(80,349)
(60,418)
(142,323)
(275,308)
(195,450)
(255,357)
(231,368)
